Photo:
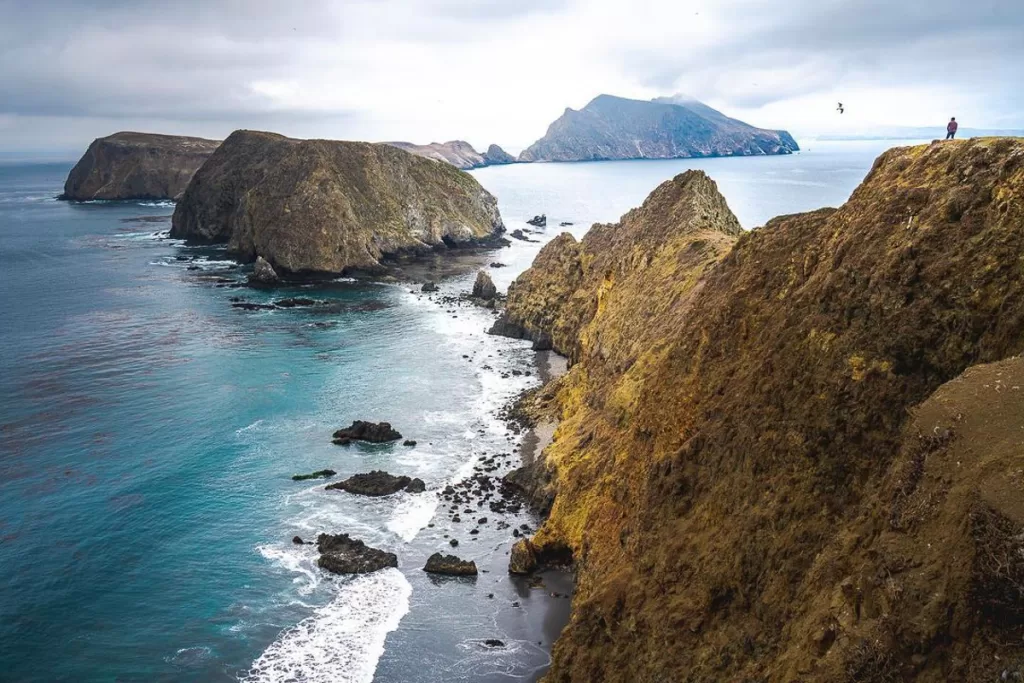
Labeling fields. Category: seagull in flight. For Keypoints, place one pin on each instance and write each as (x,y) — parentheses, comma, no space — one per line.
(840,108)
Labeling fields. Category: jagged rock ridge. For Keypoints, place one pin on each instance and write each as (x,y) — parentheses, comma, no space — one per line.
(325,206)
(740,471)
(617,128)
(137,166)
(458,153)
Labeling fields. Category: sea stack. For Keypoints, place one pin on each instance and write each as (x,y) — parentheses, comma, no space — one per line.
(331,207)
(793,453)
(137,166)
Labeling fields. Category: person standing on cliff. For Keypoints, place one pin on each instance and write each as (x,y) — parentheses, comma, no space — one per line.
(951,128)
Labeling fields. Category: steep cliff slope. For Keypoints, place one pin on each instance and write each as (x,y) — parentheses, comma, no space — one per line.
(617,128)
(137,166)
(458,153)
(740,472)
(323,206)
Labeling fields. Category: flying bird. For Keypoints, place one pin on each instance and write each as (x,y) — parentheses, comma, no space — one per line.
(839,108)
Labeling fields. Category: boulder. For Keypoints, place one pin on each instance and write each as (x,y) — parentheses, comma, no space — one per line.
(538,221)
(372,432)
(340,554)
(263,274)
(484,287)
(523,559)
(449,565)
(429,287)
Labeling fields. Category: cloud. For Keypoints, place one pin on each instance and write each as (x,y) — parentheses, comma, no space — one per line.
(491,70)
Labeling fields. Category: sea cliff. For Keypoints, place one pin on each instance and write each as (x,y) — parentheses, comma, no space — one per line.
(792,453)
(458,153)
(325,206)
(137,166)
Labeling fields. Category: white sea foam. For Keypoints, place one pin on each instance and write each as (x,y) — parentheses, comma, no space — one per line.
(343,641)
(412,514)
(294,559)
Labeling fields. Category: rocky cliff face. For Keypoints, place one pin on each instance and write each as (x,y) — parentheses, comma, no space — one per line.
(458,153)
(616,128)
(137,166)
(323,206)
(775,461)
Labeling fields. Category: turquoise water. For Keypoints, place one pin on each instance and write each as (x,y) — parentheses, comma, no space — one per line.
(148,432)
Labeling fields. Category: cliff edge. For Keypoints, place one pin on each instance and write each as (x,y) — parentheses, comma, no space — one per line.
(793,453)
(326,206)
(137,166)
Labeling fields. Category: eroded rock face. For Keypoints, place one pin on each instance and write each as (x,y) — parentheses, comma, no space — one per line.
(324,206)
(137,166)
(523,559)
(340,554)
(617,128)
(263,274)
(740,469)
(449,565)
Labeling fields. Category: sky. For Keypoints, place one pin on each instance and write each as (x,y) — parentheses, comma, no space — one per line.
(493,70)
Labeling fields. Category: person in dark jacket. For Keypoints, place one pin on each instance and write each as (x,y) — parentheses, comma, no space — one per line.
(951,129)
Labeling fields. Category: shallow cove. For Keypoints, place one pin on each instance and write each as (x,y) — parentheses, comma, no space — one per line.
(149,432)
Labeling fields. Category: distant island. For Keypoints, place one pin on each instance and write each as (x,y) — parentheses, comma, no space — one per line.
(458,153)
(131,165)
(612,127)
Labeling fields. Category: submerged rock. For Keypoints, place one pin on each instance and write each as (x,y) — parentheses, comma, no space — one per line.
(137,166)
(327,207)
(372,432)
(263,274)
(295,302)
(340,554)
(449,565)
(319,474)
(379,483)
(483,287)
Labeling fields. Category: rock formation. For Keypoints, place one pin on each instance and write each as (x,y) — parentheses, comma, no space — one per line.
(483,287)
(775,461)
(450,565)
(458,153)
(319,474)
(323,206)
(340,554)
(372,432)
(137,166)
(616,128)
(263,274)
(378,483)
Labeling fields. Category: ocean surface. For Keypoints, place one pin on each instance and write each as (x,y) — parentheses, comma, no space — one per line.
(149,431)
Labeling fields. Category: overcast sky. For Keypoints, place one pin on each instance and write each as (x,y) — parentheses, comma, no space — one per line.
(494,70)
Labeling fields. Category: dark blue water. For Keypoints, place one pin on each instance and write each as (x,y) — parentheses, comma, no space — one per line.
(148,431)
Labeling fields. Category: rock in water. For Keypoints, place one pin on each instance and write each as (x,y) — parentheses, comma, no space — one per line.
(449,565)
(323,206)
(484,287)
(540,221)
(429,287)
(667,128)
(373,432)
(496,155)
(793,453)
(319,474)
(523,559)
(137,166)
(343,555)
(263,274)
(378,483)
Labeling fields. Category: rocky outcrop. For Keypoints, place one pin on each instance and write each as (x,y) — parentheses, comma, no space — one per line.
(137,166)
(775,460)
(263,274)
(372,432)
(449,565)
(540,221)
(483,287)
(378,483)
(616,128)
(523,558)
(324,206)
(458,153)
(319,474)
(340,554)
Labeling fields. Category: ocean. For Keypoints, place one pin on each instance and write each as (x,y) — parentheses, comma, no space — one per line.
(149,431)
